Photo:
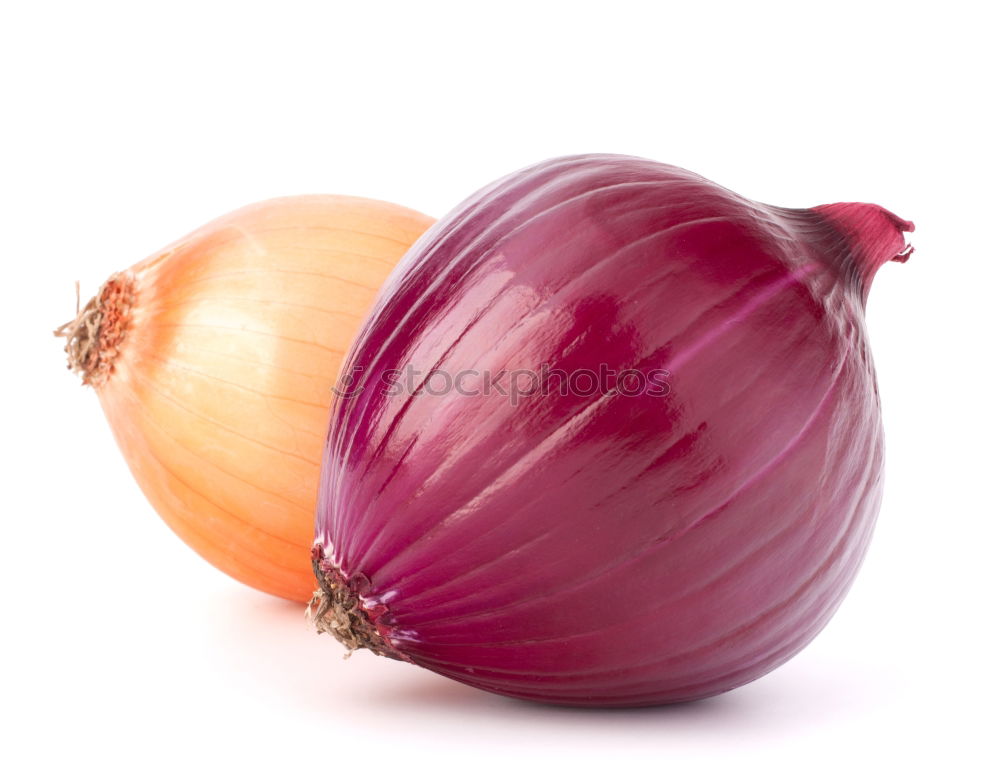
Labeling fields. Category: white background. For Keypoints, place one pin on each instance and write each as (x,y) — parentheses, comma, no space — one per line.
(126,125)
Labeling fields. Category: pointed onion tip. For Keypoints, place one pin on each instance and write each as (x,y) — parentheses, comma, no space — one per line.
(874,235)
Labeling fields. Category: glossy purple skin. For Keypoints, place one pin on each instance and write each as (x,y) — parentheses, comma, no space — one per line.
(611,549)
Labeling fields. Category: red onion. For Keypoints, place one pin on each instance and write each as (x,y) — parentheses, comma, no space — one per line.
(670,534)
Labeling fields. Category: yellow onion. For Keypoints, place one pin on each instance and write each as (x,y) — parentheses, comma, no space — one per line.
(214,360)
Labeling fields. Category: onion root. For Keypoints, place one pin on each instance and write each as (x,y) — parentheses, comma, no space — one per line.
(95,336)
(336,609)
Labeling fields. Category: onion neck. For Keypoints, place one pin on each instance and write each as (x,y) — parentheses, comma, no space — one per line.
(861,237)
(94,338)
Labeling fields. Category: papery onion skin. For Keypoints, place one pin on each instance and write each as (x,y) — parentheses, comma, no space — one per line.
(221,352)
(611,550)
